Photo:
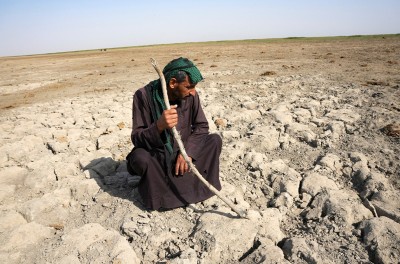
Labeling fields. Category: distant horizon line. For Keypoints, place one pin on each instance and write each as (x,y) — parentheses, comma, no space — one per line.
(210,41)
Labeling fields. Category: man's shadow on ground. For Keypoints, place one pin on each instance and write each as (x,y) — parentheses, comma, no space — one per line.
(113,178)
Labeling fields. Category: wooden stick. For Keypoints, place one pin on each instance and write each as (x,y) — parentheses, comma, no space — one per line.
(183,151)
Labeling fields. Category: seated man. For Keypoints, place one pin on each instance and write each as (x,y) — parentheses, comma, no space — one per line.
(166,180)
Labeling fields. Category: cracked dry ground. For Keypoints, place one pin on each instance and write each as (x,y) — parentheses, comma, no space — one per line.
(310,149)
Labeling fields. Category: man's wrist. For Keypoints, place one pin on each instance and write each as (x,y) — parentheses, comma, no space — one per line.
(160,130)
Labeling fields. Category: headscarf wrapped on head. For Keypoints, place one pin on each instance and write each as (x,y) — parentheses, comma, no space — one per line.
(182,64)
(170,70)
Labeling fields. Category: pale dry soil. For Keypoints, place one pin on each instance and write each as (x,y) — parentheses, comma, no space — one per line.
(305,152)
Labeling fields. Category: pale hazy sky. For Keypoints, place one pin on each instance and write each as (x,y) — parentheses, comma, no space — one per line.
(44,26)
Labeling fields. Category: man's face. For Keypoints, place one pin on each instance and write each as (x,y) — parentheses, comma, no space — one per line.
(183,89)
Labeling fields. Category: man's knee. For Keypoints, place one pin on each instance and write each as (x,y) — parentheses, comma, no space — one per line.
(138,160)
(215,140)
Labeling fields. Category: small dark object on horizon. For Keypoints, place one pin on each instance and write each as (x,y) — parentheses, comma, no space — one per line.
(268,73)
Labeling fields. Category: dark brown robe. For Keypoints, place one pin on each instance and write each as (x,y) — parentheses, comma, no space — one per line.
(159,187)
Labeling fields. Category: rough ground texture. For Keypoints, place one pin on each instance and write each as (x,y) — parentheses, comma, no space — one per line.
(310,149)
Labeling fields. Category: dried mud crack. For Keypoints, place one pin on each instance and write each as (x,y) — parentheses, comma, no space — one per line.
(310,150)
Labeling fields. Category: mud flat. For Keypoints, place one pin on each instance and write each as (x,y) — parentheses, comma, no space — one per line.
(311,149)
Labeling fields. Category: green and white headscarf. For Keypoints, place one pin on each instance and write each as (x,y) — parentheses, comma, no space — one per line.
(182,64)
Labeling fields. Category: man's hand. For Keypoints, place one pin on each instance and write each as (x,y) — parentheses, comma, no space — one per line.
(169,119)
(181,166)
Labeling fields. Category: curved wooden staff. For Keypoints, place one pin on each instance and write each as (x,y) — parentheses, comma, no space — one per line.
(182,148)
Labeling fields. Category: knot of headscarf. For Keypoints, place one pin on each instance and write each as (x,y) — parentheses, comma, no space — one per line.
(180,64)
